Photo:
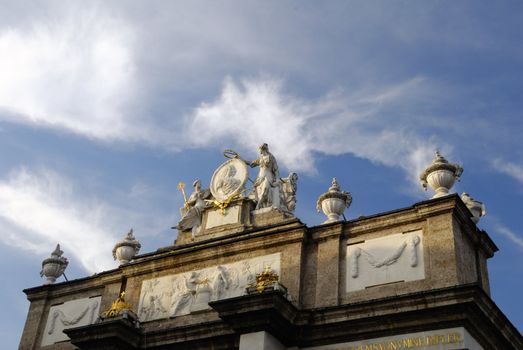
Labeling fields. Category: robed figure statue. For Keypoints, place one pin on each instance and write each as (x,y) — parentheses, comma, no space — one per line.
(193,209)
(267,186)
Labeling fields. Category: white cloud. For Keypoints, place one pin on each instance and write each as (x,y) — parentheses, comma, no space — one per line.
(38,210)
(513,237)
(73,72)
(509,168)
(253,111)
(89,70)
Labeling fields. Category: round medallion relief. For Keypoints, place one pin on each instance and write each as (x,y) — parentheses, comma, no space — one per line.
(229,179)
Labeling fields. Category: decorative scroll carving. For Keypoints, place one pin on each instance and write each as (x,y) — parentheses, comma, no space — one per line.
(181,294)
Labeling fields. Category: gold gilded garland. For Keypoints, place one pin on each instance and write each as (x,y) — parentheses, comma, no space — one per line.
(222,205)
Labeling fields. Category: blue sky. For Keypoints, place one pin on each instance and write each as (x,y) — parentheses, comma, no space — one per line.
(106,106)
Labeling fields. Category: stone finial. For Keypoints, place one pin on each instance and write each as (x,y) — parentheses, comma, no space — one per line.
(440,175)
(125,250)
(476,207)
(54,266)
(333,202)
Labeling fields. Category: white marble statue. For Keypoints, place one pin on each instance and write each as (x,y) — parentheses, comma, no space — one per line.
(193,208)
(288,191)
(476,207)
(271,191)
(267,185)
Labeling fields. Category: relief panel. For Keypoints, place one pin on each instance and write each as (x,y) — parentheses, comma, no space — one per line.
(181,294)
(383,260)
(74,313)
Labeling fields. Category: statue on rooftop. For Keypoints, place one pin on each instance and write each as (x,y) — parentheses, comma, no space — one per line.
(476,207)
(269,189)
(193,208)
(267,185)
(288,193)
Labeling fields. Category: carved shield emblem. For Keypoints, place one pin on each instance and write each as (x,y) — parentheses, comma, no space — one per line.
(229,179)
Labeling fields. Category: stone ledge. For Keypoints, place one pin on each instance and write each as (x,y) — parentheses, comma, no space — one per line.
(203,335)
(459,306)
(465,306)
(113,334)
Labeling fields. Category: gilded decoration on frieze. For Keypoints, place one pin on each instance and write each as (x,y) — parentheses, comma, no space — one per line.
(117,307)
(265,279)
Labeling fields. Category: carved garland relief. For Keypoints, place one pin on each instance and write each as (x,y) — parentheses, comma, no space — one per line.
(383,260)
(70,314)
(181,294)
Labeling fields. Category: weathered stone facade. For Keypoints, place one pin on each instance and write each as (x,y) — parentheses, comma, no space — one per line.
(421,275)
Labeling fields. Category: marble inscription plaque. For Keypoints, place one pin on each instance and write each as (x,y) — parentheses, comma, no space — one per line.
(441,339)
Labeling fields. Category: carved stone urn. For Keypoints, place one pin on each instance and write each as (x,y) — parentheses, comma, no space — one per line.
(333,202)
(125,250)
(477,208)
(440,175)
(54,266)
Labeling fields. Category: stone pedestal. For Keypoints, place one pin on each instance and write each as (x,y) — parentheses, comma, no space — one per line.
(269,216)
(217,222)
